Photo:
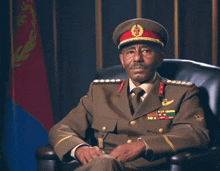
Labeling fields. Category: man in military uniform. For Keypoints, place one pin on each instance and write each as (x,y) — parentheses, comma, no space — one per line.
(135,122)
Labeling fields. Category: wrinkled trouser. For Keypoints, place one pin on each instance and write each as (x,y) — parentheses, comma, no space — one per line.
(107,163)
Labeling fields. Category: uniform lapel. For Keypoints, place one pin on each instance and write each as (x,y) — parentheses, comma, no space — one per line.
(152,102)
(123,100)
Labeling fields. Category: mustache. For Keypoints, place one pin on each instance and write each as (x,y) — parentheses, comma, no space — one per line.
(139,64)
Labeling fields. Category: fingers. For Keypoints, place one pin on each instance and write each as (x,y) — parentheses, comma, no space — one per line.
(128,152)
(85,154)
(94,152)
(121,153)
(123,158)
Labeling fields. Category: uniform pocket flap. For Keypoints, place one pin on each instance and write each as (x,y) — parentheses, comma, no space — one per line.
(104,124)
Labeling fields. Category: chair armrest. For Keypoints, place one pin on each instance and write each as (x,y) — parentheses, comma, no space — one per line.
(46,152)
(46,158)
(196,158)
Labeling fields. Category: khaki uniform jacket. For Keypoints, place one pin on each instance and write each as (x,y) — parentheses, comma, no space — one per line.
(167,122)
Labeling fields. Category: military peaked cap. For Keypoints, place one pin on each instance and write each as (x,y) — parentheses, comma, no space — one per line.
(140,29)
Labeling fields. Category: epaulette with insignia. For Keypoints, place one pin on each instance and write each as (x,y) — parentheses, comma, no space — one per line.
(99,81)
(177,82)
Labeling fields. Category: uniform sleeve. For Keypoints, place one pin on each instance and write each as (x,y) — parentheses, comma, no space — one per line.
(69,132)
(188,129)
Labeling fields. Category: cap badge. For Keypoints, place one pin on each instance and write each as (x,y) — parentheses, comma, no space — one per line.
(137,30)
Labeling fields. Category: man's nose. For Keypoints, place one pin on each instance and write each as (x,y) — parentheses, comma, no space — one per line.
(138,57)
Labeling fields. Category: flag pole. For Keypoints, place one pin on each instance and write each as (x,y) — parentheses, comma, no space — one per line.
(215,32)
(98,23)
(138,8)
(176,29)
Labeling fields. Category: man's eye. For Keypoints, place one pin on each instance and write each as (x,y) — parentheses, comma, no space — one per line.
(130,52)
(146,50)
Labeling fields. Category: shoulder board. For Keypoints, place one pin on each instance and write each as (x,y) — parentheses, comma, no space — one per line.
(177,82)
(100,81)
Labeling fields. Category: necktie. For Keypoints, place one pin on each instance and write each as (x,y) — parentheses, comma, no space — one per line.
(136,99)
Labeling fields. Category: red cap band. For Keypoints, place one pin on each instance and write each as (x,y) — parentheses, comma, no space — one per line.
(137,33)
(146,33)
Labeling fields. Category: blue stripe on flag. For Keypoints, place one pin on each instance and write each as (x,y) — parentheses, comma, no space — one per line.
(23,135)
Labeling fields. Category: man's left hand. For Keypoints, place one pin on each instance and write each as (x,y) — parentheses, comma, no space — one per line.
(129,152)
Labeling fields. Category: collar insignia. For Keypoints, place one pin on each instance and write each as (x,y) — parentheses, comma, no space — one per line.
(199,118)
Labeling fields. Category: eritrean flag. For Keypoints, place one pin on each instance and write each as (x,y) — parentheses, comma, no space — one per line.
(29,111)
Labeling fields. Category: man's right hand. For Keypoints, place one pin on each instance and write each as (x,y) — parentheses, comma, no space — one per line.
(85,154)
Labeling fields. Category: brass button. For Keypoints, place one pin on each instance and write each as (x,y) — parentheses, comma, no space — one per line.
(129,141)
(133,123)
(103,128)
(161,130)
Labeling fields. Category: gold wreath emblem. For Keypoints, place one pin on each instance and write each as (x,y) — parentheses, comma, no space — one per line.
(22,52)
(137,30)
(166,102)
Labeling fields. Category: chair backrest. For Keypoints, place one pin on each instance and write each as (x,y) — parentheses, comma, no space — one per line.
(206,77)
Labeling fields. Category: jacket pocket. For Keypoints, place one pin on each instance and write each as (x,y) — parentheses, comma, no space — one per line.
(103,126)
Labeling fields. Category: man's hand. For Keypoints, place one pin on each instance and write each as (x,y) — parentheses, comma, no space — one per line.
(129,152)
(85,154)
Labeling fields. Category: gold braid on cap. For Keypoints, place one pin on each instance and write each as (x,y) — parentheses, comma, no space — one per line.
(141,39)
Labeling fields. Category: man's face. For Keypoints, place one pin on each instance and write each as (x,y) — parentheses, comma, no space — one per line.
(141,61)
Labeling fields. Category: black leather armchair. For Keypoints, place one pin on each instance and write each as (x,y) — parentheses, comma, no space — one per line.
(207,78)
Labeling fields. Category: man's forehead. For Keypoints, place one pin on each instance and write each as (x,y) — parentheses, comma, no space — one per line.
(142,45)
(139,45)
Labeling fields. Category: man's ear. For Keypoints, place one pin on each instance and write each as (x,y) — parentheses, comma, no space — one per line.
(121,59)
(160,59)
